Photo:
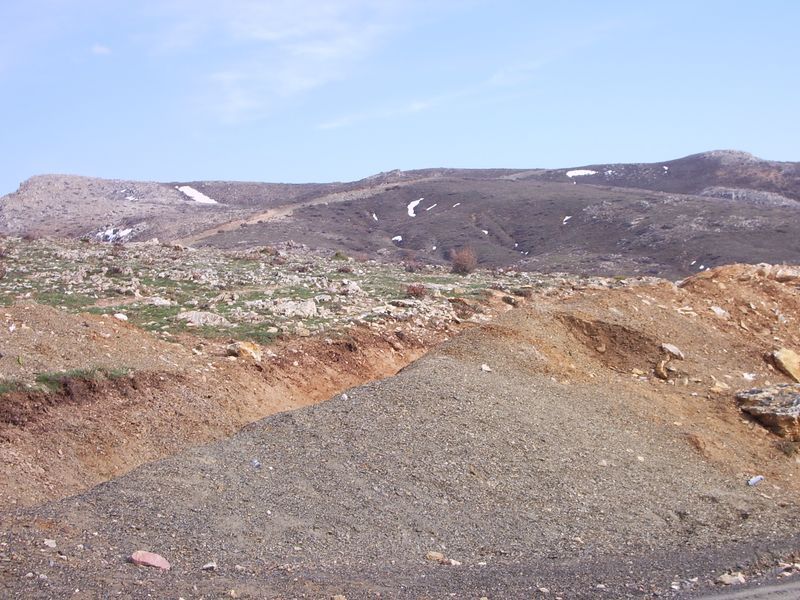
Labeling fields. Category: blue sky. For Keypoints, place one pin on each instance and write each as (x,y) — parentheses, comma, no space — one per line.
(335,90)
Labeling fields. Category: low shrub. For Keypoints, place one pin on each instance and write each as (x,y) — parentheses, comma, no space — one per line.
(463,261)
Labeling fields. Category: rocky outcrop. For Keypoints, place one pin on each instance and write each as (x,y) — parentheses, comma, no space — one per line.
(787,361)
(777,408)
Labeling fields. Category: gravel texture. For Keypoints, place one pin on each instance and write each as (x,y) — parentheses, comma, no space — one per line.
(528,481)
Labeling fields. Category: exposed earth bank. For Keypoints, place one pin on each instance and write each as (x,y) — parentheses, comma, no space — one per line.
(584,445)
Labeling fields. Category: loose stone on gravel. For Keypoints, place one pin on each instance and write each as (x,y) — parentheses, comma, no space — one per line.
(731,579)
(673,351)
(150,559)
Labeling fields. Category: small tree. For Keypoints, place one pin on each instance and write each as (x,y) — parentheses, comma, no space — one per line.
(463,260)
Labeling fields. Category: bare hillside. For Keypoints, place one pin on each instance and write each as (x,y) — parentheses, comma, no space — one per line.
(670,219)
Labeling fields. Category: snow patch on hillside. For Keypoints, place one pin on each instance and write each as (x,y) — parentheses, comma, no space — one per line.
(195,195)
(580,173)
(412,206)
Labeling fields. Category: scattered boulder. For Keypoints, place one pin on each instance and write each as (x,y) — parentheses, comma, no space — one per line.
(210,566)
(244,350)
(150,559)
(777,408)
(780,273)
(302,309)
(200,318)
(787,361)
(158,301)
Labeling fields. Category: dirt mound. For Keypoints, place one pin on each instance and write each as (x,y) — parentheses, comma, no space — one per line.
(86,424)
(554,467)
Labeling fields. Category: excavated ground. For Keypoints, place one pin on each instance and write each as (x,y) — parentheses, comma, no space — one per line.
(94,427)
(538,452)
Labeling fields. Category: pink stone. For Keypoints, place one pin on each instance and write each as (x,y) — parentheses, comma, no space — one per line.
(150,559)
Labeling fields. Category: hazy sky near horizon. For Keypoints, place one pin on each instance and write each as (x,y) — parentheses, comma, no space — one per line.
(326,90)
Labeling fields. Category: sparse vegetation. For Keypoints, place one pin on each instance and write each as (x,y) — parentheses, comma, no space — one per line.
(416,290)
(54,381)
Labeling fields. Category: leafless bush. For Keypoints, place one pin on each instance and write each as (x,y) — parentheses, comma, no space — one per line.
(463,261)
(416,290)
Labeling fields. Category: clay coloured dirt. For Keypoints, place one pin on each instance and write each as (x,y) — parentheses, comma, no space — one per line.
(536,455)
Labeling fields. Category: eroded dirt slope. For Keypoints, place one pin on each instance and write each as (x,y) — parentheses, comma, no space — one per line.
(538,451)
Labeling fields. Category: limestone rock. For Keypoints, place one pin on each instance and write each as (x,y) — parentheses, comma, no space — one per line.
(245,350)
(302,309)
(777,408)
(788,361)
(199,318)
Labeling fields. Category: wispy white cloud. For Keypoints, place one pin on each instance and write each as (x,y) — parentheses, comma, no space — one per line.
(100,49)
(272,51)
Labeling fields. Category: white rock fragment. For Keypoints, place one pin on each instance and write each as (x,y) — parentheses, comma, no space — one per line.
(673,351)
(120,316)
(486,368)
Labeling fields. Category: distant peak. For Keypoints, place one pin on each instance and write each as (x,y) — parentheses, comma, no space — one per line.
(730,156)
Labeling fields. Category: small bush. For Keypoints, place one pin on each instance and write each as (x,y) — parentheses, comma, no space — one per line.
(416,290)
(338,255)
(412,266)
(345,269)
(463,261)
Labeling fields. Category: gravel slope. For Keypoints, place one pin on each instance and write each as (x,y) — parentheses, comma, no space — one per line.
(528,480)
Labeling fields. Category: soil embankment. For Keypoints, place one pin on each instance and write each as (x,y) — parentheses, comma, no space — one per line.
(554,449)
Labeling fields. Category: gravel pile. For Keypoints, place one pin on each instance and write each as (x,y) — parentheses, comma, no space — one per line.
(447,479)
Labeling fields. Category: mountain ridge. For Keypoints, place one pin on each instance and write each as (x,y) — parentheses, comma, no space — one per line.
(664,218)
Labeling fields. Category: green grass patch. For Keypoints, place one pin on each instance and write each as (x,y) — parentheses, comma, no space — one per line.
(59,299)
(11,385)
(54,380)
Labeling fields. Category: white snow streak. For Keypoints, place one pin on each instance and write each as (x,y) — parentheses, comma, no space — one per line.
(431,206)
(412,206)
(567,218)
(374,216)
(195,195)
(397,238)
(580,173)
